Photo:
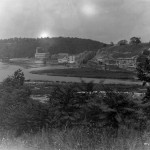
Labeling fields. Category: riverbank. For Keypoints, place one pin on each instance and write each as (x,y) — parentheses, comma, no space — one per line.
(87,73)
(8,69)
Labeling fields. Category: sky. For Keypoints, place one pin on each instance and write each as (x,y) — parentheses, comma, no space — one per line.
(102,20)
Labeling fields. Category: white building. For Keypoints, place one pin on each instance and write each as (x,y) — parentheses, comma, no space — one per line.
(40,54)
(127,62)
(63,59)
(71,59)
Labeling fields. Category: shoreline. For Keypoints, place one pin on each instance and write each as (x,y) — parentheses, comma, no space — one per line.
(48,74)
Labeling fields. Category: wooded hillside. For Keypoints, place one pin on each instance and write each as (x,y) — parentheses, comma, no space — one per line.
(25,47)
(123,51)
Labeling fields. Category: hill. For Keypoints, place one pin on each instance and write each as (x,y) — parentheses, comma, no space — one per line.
(25,47)
(122,51)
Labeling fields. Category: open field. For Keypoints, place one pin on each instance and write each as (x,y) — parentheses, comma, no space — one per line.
(76,139)
(43,88)
(88,73)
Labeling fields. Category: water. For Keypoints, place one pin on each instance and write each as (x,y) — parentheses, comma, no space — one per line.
(8,69)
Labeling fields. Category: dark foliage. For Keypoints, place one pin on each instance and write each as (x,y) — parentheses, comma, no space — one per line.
(25,47)
(143,73)
(121,109)
(135,40)
(17,79)
(18,112)
(123,42)
(69,106)
(73,105)
(86,56)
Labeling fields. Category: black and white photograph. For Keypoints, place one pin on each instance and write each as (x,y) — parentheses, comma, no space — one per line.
(74,74)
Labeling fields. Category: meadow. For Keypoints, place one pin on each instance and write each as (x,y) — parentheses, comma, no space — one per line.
(88,73)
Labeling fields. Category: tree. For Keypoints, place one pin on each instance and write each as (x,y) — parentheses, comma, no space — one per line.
(18,112)
(135,40)
(143,66)
(17,79)
(86,56)
(111,44)
(123,42)
(63,106)
(119,109)
(143,73)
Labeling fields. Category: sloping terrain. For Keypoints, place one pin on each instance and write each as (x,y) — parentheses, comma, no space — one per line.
(123,51)
(25,47)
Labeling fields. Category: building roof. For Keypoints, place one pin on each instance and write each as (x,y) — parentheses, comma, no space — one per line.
(62,54)
(126,58)
(62,57)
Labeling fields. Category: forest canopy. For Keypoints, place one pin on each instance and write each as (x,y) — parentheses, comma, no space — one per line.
(25,47)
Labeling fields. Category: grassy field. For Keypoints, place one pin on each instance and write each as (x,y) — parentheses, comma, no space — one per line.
(76,139)
(89,73)
(46,87)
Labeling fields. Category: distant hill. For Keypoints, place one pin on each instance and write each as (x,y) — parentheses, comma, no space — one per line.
(25,47)
(122,51)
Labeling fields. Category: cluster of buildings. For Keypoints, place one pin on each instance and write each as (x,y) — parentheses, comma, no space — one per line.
(42,57)
(65,58)
(126,63)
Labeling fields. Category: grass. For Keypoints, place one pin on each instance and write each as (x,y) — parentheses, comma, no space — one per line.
(87,72)
(77,139)
(46,88)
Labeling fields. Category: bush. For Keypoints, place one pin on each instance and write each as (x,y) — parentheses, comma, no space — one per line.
(73,105)
(17,79)
(69,106)
(18,112)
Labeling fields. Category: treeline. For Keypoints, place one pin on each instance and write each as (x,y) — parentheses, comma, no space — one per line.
(25,47)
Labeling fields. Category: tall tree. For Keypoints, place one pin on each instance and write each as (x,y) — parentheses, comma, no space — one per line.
(143,73)
(135,40)
(123,42)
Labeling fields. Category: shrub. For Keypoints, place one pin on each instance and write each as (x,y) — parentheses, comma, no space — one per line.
(18,112)
(17,79)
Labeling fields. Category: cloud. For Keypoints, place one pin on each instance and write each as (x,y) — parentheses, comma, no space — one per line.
(96,19)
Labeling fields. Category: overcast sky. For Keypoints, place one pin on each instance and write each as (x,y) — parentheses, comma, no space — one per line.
(102,20)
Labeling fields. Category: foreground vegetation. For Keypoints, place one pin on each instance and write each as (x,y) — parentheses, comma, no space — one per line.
(87,72)
(76,139)
(71,119)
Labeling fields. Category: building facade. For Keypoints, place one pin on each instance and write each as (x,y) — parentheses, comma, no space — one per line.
(127,62)
(71,59)
(63,59)
(41,56)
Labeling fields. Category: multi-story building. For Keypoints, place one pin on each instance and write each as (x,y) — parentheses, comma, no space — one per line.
(127,62)
(62,59)
(71,59)
(41,56)
(66,58)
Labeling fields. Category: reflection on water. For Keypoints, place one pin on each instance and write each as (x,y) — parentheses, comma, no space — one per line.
(7,70)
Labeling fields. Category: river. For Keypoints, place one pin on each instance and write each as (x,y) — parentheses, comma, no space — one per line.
(7,69)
